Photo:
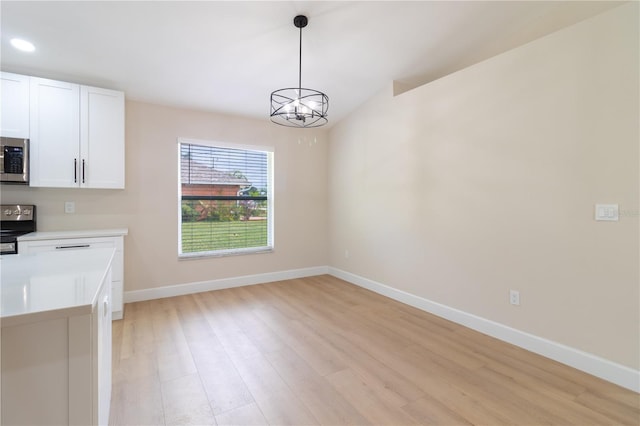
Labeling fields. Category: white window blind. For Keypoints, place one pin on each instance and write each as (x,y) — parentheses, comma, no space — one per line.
(225,203)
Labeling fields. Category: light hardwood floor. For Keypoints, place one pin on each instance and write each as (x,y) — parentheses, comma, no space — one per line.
(321,351)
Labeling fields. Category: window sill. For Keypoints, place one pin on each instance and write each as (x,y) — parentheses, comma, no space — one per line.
(238,252)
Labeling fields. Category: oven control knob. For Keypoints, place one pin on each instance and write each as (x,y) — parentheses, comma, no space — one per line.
(7,212)
(26,212)
(16,212)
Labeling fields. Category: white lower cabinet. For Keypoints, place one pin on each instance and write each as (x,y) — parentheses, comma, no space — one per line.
(67,241)
(58,370)
(102,346)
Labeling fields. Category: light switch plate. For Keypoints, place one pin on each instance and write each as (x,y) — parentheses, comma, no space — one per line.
(607,212)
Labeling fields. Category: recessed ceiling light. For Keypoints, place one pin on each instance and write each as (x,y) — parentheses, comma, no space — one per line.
(24,45)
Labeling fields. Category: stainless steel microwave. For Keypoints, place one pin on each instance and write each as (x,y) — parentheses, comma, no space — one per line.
(14,160)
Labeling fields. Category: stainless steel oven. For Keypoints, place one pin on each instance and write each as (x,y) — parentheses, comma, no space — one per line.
(14,160)
(15,220)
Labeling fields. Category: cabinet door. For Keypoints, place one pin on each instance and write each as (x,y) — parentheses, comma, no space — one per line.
(14,106)
(35,376)
(55,137)
(102,138)
(102,351)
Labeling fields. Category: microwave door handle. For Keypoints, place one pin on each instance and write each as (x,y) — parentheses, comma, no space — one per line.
(82,170)
(75,170)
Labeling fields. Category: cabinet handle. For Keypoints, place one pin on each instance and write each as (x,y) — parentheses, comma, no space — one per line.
(106,306)
(73,247)
(75,170)
(83,171)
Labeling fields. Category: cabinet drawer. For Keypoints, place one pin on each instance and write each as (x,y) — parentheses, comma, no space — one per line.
(79,244)
(57,242)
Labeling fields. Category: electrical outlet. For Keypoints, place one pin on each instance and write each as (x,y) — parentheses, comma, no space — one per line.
(514,297)
(69,207)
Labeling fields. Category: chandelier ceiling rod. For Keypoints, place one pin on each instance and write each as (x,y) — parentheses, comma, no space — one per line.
(300,21)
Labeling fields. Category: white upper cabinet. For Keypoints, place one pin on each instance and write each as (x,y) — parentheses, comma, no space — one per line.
(77,135)
(55,134)
(14,105)
(101,138)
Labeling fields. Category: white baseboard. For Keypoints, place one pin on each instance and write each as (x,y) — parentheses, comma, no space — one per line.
(599,367)
(219,284)
(594,365)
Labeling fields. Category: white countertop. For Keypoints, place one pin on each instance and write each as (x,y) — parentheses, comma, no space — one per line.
(51,285)
(59,235)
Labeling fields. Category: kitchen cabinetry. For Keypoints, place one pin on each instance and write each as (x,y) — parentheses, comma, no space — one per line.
(39,242)
(102,347)
(55,133)
(14,105)
(77,135)
(56,338)
(101,138)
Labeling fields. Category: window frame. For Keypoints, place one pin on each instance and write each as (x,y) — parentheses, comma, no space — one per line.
(269,151)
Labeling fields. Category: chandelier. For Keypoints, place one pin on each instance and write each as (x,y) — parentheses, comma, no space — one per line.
(299,107)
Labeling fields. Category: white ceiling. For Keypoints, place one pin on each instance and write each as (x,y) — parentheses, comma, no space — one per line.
(228,56)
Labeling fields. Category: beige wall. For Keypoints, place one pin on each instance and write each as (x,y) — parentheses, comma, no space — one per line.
(486,180)
(457,191)
(148,206)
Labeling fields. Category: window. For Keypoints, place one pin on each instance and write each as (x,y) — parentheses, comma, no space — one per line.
(225,199)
